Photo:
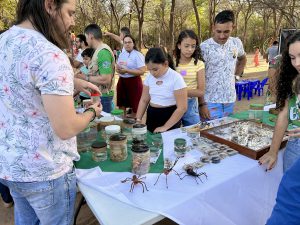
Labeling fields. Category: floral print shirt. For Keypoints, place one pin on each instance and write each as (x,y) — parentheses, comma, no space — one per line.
(220,62)
(30,67)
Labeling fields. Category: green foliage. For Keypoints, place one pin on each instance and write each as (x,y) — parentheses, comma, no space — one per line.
(7,13)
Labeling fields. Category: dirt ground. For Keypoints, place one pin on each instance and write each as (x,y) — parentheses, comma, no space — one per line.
(86,217)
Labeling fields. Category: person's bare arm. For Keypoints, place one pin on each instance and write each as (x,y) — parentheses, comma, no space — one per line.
(240,65)
(63,118)
(270,158)
(144,102)
(104,79)
(181,103)
(113,36)
(136,72)
(200,90)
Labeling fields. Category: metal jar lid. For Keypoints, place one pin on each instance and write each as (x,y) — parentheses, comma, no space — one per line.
(140,148)
(98,144)
(112,129)
(129,121)
(117,137)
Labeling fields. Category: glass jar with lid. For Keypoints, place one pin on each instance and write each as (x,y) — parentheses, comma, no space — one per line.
(99,151)
(110,130)
(139,132)
(140,159)
(118,115)
(127,126)
(95,97)
(103,122)
(118,147)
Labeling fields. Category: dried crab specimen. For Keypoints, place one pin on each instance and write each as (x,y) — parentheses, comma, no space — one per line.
(135,181)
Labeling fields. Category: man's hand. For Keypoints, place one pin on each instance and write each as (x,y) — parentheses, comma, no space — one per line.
(204,112)
(84,86)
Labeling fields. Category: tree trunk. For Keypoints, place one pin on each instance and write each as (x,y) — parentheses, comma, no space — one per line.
(171,28)
(197,19)
(212,12)
(140,15)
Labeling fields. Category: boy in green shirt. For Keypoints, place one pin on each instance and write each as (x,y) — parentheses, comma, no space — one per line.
(102,66)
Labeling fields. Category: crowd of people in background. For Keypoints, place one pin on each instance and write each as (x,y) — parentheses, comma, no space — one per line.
(195,83)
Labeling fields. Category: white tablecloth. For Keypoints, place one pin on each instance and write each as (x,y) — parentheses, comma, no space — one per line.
(237,191)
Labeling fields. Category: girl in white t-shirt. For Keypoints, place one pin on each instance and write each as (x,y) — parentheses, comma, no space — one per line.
(164,93)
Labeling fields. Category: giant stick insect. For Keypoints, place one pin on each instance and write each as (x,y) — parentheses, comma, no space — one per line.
(168,169)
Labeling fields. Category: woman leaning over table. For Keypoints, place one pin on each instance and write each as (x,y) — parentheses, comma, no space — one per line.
(38,122)
(164,93)
(288,103)
(130,66)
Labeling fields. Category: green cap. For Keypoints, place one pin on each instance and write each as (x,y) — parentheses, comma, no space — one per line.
(117,112)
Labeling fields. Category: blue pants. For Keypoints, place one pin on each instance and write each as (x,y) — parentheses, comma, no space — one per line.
(46,202)
(191,116)
(5,194)
(106,102)
(219,110)
(291,153)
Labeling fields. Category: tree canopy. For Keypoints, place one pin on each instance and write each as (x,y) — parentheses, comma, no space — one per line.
(158,22)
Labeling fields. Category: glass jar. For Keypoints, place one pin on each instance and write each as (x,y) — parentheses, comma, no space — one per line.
(110,130)
(99,151)
(118,147)
(140,159)
(95,97)
(118,115)
(127,126)
(256,111)
(139,132)
(180,147)
(103,122)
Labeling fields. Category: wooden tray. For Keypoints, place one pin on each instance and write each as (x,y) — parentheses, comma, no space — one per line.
(251,153)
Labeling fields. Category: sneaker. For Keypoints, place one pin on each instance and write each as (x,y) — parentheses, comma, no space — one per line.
(8,205)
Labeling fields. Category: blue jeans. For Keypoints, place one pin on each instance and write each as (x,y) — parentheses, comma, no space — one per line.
(291,153)
(106,102)
(47,202)
(219,110)
(191,116)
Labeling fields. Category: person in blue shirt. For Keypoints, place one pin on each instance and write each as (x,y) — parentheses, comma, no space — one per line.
(287,208)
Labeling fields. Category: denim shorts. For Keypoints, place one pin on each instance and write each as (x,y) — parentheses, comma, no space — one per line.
(291,153)
(46,202)
(219,110)
(191,116)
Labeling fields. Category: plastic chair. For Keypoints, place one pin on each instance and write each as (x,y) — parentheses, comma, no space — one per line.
(260,87)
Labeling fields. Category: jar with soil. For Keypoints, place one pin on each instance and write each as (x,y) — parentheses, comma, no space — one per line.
(118,147)
(140,159)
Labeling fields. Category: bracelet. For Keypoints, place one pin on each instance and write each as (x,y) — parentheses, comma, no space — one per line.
(91,110)
(202,104)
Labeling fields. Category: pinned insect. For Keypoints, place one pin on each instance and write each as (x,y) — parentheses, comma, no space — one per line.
(135,181)
(168,168)
(190,172)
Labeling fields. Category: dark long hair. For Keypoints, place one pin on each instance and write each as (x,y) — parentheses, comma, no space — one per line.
(159,56)
(36,13)
(133,40)
(188,34)
(287,74)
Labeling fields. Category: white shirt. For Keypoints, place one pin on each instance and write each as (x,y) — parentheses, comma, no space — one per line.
(162,89)
(220,63)
(79,57)
(31,67)
(130,60)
